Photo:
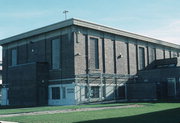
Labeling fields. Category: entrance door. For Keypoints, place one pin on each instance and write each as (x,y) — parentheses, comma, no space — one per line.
(171,87)
(121,92)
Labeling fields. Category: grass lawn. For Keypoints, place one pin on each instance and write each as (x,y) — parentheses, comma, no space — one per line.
(149,113)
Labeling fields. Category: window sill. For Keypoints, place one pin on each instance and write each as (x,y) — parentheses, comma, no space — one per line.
(56,99)
(55,69)
(94,69)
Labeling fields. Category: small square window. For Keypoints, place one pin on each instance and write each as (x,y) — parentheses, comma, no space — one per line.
(94,92)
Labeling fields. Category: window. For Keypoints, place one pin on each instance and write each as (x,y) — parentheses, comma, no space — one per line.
(177,54)
(147,54)
(94,53)
(56,54)
(55,93)
(94,92)
(171,87)
(174,54)
(170,54)
(63,92)
(141,58)
(153,54)
(164,54)
(14,57)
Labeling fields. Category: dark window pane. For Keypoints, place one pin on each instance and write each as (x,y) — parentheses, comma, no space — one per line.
(56,54)
(14,57)
(55,93)
(94,92)
(141,58)
(153,52)
(174,54)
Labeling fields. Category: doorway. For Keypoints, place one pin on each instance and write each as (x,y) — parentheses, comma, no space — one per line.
(121,92)
(171,87)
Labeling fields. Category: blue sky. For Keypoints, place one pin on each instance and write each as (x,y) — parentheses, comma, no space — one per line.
(155,18)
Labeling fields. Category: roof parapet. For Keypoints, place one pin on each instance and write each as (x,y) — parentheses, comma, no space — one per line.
(89,25)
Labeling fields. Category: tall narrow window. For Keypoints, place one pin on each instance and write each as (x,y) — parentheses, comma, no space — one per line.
(170,54)
(94,53)
(147,55)
(177,54)
(164,54)
(128,60)
(153,54)
(14,57)
(56,54)
(174,54)
(141,58)
(103,56)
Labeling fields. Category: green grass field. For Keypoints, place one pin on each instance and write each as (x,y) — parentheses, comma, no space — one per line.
(52,108)
(148,113)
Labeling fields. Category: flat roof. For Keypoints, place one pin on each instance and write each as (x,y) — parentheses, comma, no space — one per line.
(89,25)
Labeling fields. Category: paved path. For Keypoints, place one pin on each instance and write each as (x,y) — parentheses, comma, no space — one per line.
(68,110)
(7,122)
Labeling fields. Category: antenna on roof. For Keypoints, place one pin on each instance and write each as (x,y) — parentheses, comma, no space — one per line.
(65,13)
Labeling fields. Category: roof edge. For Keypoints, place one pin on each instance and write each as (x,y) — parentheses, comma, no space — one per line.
(90,25)
(123,33)
(38,31)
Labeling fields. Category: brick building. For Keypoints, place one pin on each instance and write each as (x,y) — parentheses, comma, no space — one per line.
(75,61)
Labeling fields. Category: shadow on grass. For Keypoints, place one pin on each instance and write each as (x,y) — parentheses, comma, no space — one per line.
(166,116)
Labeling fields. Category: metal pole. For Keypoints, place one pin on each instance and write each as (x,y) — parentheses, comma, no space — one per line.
(80,93)
(65,13)
(117,95)
(126,91)
(114,82)
(89,90)
(101,86)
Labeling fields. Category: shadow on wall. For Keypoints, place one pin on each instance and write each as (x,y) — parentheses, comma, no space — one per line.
(166,116)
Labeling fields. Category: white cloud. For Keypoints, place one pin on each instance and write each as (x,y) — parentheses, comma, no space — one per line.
(116,19)
(169,32)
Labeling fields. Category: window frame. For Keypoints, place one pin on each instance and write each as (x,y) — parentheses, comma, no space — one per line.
(142,59)
(96,53)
